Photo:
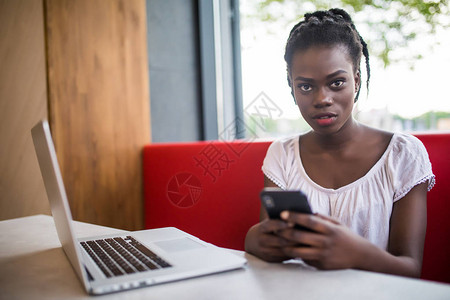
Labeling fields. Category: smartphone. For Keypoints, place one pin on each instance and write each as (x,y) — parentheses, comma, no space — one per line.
(275,201)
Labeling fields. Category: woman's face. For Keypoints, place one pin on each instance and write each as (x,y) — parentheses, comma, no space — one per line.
(324,86)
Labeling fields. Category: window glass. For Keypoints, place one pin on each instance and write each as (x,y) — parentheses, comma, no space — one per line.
(407,95)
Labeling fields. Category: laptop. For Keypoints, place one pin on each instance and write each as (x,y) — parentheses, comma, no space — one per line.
(111,263)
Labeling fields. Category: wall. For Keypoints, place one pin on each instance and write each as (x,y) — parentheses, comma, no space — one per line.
(174,66)
(99,105)
(195,71)
(94,56)
(23,101)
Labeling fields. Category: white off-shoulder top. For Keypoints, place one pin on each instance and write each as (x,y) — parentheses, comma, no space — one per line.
(364,205)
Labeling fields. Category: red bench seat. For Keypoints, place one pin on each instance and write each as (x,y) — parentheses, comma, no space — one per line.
(211,190)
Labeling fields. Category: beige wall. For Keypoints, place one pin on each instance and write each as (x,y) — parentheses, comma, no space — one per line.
(99,105)
(96,98)
(23,101)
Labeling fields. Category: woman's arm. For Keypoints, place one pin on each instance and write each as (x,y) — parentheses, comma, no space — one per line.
(407,235)
(261,240)
(334,246)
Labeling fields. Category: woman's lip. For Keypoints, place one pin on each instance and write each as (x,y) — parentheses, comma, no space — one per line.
(325,119)
(324,116)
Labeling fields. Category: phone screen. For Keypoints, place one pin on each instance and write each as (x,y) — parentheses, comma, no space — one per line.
(276,201)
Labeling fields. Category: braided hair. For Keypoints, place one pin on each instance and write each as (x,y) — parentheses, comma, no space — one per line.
(329,28)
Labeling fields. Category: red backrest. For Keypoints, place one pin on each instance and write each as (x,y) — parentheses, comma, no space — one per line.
(436,257)
(208,189)
(211,190)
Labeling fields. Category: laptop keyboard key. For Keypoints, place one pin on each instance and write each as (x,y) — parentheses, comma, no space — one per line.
(118,256)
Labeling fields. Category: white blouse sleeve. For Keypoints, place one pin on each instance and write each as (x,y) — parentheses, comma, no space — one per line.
(409,166)
(278,162)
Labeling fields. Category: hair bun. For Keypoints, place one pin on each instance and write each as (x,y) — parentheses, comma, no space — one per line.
(341,14)
(333,15)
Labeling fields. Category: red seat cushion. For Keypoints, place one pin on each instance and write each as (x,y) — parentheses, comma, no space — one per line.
(208,189)
(211,190)
(436,257)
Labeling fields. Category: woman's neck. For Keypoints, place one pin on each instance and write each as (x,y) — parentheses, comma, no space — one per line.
(340,139)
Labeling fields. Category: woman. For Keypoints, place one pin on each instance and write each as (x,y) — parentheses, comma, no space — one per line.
(367,186)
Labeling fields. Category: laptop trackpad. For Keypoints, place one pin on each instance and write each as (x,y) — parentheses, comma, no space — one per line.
(177,245)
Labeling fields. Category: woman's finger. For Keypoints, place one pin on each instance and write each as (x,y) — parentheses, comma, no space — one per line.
(310,221)
(301,237)
(306,253)
(328,218)
(272,226)
(274,241)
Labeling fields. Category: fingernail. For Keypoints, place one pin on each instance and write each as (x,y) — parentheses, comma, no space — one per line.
(284,215)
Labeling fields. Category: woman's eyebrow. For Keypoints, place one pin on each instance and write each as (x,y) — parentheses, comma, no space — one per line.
(303,79)
(338,72)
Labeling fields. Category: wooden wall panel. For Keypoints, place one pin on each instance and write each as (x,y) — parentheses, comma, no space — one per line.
(23,101)
(99,105)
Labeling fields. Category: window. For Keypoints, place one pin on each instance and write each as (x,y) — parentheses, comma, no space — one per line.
(402,97)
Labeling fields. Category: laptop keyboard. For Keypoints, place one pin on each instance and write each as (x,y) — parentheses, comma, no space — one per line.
(119,256)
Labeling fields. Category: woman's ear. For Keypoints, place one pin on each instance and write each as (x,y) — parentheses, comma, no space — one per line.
(293,96)
(357,85)
(357,81)
(290,85)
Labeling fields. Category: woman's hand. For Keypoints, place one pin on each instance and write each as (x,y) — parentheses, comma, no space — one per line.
(331,246)
(263,241)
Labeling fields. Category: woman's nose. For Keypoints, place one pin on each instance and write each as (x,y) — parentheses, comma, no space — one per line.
(322,98)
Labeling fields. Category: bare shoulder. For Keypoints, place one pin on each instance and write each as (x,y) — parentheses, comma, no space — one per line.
(372,144)
(374,136)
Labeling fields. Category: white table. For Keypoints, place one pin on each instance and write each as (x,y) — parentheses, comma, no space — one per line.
(34,266)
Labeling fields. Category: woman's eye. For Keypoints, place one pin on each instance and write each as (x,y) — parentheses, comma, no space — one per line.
(305,87)
(337,83)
